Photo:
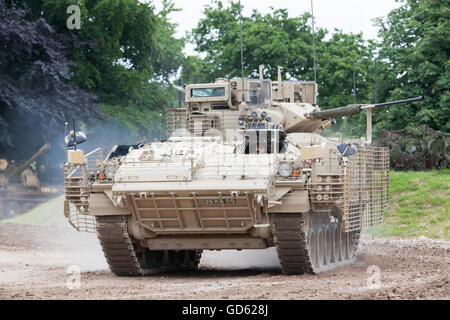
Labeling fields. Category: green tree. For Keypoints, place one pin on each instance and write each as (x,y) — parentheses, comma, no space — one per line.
(192,70)
(134,55)
(274,39)
(415,49)
(335,77)
(36,95)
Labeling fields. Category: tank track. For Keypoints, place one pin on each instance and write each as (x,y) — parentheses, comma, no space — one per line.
(310,243)
(126,258)
(290,237)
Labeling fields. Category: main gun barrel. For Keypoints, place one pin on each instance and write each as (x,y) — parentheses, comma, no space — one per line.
(385,104)
(337,112)
(356,109)
(19,169)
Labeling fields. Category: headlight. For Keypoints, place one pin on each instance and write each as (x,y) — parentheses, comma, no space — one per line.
(285,170)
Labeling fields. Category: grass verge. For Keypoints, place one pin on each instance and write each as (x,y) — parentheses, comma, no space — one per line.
(419,206)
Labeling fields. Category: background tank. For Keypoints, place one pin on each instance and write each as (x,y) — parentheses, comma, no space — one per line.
(244,168)
(20,188)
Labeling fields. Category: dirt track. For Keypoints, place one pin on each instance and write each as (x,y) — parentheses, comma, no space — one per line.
(34,261)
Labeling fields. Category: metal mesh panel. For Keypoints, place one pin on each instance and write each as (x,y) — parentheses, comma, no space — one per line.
(77,189)
(359,188)
(366,188)
(81,222)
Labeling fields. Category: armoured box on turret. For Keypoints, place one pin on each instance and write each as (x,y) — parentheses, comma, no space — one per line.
(245,167)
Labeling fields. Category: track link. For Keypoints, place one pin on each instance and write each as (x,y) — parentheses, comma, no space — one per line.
(112,232)
(126,258)
(290,237)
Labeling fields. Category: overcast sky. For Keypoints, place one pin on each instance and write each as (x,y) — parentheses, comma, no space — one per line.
(349,15)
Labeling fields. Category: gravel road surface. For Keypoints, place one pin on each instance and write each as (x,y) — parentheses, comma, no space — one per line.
(41,262)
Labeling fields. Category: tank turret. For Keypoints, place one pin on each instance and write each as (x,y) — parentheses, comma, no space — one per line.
(289,106)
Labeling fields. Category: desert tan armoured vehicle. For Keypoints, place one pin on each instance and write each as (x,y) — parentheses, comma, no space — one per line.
(20,188)
(235,173)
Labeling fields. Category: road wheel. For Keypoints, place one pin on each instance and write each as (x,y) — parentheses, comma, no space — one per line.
(336,244)
(328,246)
(312,249)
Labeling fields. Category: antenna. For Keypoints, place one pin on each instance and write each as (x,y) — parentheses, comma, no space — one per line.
(376,84)
(160,126)
(179,95)
(242,52)
(314,41)
(74,135)
(354,83)
(66,125)
(314,51)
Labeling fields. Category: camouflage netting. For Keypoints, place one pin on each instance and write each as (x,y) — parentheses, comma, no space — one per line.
(420,148)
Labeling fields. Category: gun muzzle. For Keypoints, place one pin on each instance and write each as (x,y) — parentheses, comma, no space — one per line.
(356,109)
(385,104)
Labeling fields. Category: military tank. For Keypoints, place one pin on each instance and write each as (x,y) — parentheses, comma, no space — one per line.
(245,167)
(20,188)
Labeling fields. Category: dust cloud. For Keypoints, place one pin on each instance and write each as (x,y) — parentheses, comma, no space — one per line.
(73,248)
(84,250)
(70,247)
(81,249)
(238,260)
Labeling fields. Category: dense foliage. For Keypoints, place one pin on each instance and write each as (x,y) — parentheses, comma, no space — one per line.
(135,53)
(415,43)
(112,73)
(35,95)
